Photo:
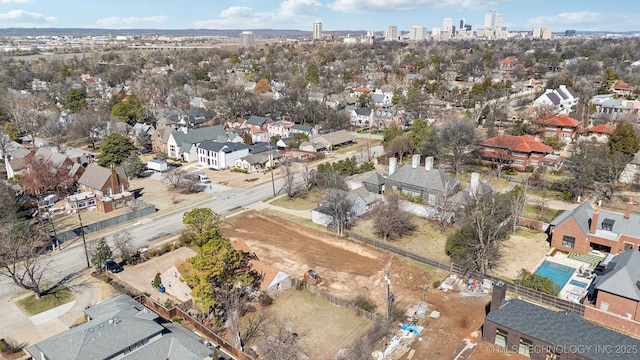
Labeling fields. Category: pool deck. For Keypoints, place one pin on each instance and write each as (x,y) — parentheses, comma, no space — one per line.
(568,291)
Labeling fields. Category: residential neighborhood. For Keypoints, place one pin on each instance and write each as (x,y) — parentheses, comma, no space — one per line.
(470,195)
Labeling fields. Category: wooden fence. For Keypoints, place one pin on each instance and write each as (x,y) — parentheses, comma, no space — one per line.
(519,290)
(191,323)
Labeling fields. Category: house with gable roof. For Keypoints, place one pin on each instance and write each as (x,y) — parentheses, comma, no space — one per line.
(561,127)
(587,228)
(183,144)
(562,99)
(100,188)
(122,328)
(599,133)
(516,152)
(617,292)
(361,117)
(219,156)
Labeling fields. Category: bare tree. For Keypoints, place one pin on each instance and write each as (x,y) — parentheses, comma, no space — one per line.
(517,201)
(338,208)
(398,147)
(254,326)
(123,242)
(55,131)
(390,221)
(446,207)
(290,187)
(41,177)
(308,177)
(175,177)
(457,139)
(91,125)
(5,145)
(21,247)
(280,341)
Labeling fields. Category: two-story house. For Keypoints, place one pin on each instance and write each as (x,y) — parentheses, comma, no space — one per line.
(219,156)
(562,99)
(587,228)
(361,117)
(516,152)
(599,133)
(182,144)
(559,126)
(384,118)
(100,188)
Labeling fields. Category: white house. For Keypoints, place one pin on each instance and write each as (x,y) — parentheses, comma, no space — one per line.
(563,99)
(360,200)
(183,144)
(219,156)
(361,117)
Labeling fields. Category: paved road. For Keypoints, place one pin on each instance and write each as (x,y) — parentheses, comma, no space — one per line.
(145,231)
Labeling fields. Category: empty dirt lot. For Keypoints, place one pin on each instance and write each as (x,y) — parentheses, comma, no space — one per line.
(350,269)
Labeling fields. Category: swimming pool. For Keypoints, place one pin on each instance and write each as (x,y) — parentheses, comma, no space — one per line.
(578,284)
(557,273)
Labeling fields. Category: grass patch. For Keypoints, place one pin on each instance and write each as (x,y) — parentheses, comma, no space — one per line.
(53,298)
(296,219)
(527,233)
(306,201)
(80,320)
(550,194)
(532,211)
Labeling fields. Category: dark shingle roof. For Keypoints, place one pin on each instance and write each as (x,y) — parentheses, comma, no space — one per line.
(565,329)
(227,147)
(256,120)
(434,179)
(195,136)
(95,176)
(623,276)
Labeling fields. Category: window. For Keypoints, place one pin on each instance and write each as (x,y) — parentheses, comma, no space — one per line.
(568,241)
(525,347)
(431,199)
(607,224)
(118,204)
(109,192)
(121,188)
(604,306)
(534,162)
(501,337)
(552,356)
(627,246)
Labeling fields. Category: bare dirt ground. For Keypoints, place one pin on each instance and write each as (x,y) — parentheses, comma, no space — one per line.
(349,269)
(524,250)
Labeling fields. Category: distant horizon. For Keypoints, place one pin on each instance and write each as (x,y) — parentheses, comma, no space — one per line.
(336,15)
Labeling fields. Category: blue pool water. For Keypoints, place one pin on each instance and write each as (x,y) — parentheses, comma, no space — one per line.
(557,273)
(578,284)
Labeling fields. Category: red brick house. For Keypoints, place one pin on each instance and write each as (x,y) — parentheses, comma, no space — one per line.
(101,189)
(559,126)
(586,228)
(600,133)
(516,152)
(615,298)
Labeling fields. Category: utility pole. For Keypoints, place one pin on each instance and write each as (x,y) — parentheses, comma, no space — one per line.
(387,281)
(84,240)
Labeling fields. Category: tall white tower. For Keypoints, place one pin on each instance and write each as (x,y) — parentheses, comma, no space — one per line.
(317,30)
(247,39)
(447,24)
(392,33)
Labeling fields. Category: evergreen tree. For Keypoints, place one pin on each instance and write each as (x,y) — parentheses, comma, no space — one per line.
(624,139)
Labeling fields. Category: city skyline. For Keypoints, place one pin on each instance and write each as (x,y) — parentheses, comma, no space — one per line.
(335,15)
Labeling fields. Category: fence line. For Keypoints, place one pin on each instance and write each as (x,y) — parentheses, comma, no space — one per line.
(192,323)
(97,226)
(519,290)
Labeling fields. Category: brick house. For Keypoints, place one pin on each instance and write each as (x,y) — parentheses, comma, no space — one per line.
(102,189)
(585,228)
(600,133)
(617,292)
(559,126)
(516,152)
(535,332)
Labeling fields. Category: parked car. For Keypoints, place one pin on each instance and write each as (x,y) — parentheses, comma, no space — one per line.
(113,266)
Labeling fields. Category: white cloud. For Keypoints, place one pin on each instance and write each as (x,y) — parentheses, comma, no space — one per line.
(291,14)
(364,6)
(22,18)
(15,1)
(586,20)
(134,20)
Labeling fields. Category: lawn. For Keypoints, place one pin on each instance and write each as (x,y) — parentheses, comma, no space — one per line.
(308,200)
(427,240)
(55,297)
(533,212)
(326,328)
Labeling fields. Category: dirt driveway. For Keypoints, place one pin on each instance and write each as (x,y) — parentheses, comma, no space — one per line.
(350,269)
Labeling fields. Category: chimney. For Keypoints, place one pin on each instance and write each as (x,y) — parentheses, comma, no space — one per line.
(114,180)
(594,222)
(428,163)
(501,131)
(498,295)
(475,183)
(627,210)
(393,163)
(415,161)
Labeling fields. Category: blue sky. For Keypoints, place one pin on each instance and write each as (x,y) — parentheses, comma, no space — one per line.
(558,15)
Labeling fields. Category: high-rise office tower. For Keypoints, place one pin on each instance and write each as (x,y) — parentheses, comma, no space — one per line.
(447,24)
(392,33)
(490,20)
(247,39)
(498,23)
(462,23)
(418,33)
(317,30)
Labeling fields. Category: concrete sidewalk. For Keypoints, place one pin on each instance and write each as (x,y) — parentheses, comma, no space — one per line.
(306,214)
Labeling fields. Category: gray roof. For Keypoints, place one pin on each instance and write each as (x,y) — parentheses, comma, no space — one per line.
(196,136)
(584,212)
(363,111)
(301,128)
(262,157)
(226,147)
(256,120)
(622,276)
(375,179)
(338,137)
(564,329)
(419,178)
(553,97)
(96,176)
(115,325)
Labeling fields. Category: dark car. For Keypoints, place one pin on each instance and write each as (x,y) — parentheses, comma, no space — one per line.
(113,266)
